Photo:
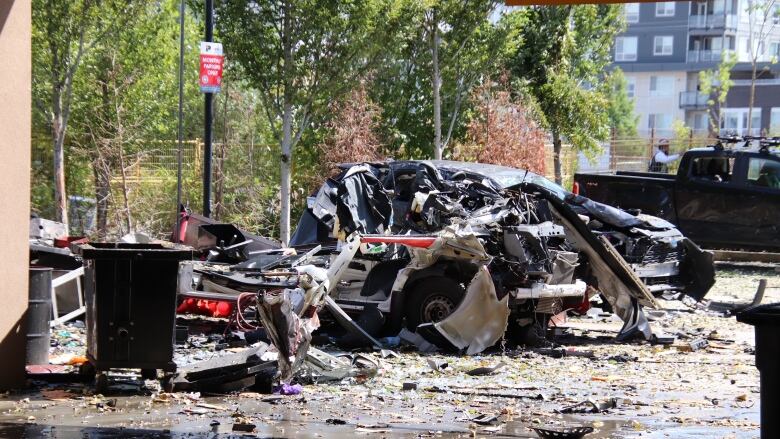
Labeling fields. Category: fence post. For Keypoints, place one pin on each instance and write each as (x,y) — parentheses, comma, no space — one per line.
(198,153)
(690,138)
(652,142)
(612,146)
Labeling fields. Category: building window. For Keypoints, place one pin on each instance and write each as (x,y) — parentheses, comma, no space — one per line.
(664,9)
(632,12)
(718,6)
(734,121)
(630,86)
(774,51)
(774,122)
(744,52)
(625,49)
(700,121)
(659,121)
(663,45)
(661,85)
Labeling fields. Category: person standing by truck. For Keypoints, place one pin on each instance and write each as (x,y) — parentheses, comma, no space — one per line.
(662,158)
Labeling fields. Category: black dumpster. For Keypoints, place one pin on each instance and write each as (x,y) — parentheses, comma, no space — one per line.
(766,319)
(130,294)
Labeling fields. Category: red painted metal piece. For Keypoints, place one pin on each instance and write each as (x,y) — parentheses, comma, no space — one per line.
(411,241)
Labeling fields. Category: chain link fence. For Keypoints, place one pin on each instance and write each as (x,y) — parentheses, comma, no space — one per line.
(246,175)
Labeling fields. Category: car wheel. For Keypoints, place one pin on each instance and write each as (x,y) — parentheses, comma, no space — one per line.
(432,300)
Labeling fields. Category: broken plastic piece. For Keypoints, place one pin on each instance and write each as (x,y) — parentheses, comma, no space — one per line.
(486,370)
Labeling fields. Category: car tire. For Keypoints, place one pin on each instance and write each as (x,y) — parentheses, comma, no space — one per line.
(432,300)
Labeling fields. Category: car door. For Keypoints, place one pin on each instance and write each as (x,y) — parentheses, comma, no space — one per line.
(760,202)
(351,283)
(708,199)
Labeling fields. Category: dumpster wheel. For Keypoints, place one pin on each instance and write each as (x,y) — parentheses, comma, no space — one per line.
(149,374)
(87,370)
(101,382)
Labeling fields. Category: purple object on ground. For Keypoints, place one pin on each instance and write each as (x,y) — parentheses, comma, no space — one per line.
(289,389)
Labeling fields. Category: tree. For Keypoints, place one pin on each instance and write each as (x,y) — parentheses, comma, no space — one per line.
(763,18)
(299,55)
(620,108)
(418,120)
(125,97)
(504,130)
(561,53)
(352,131)
(715,84)
(63,32)
(456,23)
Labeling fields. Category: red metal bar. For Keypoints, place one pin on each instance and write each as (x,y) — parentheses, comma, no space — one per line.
(411,241)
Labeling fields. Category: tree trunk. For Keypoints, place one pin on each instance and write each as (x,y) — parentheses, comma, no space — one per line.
(125,186)
(58,139)
(752,99)
(60,194)
(284,221)
(220,190)
(436,82)
(557,157)
(102,194)
(287,116)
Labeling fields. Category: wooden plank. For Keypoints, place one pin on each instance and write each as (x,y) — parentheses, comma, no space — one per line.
(67,317)
(65,278)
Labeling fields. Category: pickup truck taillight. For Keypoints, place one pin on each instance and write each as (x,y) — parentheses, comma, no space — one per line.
(575,188)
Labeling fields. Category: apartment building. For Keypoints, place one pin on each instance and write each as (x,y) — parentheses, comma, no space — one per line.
(667,44)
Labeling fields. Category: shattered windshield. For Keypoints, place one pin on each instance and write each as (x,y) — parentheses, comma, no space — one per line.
(505,176)
(538,180)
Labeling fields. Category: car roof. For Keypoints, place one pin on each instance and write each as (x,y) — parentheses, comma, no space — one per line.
(503,176)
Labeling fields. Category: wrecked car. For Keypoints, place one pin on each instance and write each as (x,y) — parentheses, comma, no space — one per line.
(493,233)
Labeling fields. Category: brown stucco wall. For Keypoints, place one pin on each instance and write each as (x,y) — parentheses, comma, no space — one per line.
(15,114)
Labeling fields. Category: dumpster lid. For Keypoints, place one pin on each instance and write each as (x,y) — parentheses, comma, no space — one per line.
(768,314)
(122,250)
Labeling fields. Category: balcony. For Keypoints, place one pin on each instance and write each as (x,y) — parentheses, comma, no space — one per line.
(712,21)
(759,82)
(705,55)
(693,100)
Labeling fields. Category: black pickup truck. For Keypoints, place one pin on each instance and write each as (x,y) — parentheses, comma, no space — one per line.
(720,198)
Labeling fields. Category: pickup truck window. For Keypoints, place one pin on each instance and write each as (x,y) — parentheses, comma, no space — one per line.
(764,173)
(716,169)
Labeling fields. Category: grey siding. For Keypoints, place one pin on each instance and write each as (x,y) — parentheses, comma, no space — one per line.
(650,26)
(766,97)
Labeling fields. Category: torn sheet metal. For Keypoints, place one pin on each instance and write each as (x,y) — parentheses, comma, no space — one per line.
(286,330)
(363,206)
(481,318)
(544,291)
(622,292)
(455,242)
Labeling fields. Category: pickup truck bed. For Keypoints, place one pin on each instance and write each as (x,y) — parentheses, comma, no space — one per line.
(651,193)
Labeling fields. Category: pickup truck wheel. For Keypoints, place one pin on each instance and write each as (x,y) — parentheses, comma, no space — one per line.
(432,300)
